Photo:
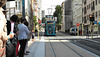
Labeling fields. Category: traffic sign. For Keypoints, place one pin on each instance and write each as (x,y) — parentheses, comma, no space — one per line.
(99,23)
(39,21)
(77,24)
(95,22)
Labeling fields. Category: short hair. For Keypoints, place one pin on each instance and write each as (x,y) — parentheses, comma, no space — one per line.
(14,18)
(22,19)
(26,23)
(2,2)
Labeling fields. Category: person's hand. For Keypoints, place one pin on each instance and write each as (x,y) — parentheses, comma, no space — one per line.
(11,35)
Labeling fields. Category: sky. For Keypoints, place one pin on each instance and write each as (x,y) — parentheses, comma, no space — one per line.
(50,4)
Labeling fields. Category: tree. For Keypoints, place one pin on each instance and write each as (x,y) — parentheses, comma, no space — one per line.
(43,20)
(59,18)
(58,13)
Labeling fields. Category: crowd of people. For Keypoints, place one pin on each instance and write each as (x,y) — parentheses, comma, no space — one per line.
(13,32)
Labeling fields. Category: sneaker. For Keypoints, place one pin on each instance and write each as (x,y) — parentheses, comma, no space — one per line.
(27,52)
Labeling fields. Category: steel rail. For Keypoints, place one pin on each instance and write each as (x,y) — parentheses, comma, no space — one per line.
(71,48)
(53,52)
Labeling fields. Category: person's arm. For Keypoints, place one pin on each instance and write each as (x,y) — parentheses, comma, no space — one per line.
(4,36)
(27,31)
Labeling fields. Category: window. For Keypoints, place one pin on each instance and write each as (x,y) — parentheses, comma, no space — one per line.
(99,12)
(88,17)
(84,10)
(84,2)
(89,6)
(99,1)
(96,14)
(96,2)
(85,19)
(16,4)
(92,6)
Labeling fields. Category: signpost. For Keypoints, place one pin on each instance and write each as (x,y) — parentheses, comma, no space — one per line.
(77,24)
(78,28)
(95,22)
(99,23)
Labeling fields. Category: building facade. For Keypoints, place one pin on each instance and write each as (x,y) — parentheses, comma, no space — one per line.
(91,7)
(39,9)
(63,17)
(68,15)
(77,11)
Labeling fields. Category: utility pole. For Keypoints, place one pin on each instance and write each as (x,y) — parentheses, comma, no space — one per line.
(23,8)
(82,20)
(32,14)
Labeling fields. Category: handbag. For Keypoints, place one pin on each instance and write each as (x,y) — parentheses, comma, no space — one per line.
(9,48)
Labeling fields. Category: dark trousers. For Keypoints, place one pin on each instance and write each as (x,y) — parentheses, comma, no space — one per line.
(22,47)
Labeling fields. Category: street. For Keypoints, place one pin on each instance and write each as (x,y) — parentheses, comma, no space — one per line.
(63,45)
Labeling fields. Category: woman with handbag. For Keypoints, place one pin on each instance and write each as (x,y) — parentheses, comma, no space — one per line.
(3,31)
(12,27)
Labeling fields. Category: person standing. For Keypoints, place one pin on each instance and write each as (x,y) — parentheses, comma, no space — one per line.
(26,52)
(10,29)
(22,36)
(3,31)
(33,35)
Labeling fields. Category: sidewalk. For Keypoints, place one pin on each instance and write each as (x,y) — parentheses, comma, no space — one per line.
(36,48)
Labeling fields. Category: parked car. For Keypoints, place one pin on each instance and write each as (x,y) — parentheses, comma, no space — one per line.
(73,31)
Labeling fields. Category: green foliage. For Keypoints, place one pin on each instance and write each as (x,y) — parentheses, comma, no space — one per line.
(57,11)
(59,18)
(43,20)
(58,14)
(34,20)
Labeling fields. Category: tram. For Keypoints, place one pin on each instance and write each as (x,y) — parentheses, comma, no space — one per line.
(50,28)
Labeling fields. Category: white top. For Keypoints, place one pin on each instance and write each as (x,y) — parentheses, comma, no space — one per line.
(3,31)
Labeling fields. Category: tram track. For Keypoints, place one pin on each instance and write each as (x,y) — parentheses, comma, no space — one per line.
(65,46)
(53,52)
(89,45)
(71,48)
(69,45)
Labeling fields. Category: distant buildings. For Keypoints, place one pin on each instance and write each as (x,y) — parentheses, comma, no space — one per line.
(43,13)
(37,9)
